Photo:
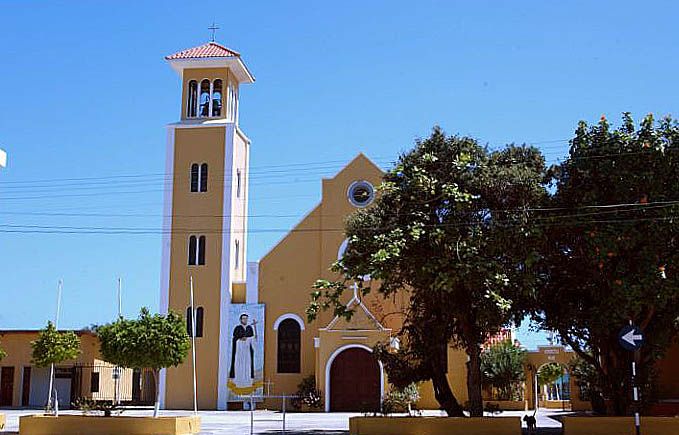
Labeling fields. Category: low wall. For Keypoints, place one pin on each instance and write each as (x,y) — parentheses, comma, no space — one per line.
(434,426)
(508,405)
(619,425)
(555,404)
(95,425)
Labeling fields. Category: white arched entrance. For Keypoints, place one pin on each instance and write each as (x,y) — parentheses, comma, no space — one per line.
(328,367)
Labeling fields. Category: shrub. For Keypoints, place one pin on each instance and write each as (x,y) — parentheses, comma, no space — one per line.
(401,399)
(308,395)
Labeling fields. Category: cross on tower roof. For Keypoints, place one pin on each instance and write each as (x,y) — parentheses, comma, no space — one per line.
(214,27)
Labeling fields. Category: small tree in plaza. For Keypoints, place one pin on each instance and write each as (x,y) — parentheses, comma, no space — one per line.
(503,368)
(449,227)
(54,347)
(610,253)
(151,341)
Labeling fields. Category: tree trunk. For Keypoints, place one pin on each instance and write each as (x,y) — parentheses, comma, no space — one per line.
(444,395)
(474,381)
(156,407)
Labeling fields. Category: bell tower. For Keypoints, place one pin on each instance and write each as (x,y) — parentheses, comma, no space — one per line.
(205,216)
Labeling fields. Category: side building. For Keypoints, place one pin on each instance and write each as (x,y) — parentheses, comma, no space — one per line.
(22,384)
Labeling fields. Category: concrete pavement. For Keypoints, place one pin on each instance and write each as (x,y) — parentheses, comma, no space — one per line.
(270,422)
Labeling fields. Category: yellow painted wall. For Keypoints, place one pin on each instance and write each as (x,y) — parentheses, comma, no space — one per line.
(197,213)
(288,271)
(17,345)
(668,375)
(619,425)
(434,426)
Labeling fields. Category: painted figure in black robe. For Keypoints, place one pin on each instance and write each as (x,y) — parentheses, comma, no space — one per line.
(241,332)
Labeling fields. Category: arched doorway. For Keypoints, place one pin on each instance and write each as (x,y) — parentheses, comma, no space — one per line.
(355,381)
(552,386)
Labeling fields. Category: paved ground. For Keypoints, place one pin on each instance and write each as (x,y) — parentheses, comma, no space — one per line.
(270,423)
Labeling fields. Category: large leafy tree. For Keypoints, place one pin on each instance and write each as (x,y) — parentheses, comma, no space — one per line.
(54,347)
(152,341)
(448,228)
(611,253)
(503,368)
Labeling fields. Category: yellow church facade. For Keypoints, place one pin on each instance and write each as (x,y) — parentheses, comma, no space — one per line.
(335,351)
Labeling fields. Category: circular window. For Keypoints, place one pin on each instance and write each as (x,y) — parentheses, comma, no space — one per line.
(361,193)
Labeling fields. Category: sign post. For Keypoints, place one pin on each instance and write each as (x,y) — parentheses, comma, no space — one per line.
(631,338)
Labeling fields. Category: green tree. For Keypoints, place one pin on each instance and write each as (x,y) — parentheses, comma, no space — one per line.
(448,226)
(587,380)
(611,249)
(549,373)
(502,366)
(3,354)
(54,347)
(152,341)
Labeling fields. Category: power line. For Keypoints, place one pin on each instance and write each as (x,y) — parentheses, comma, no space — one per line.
(616,206)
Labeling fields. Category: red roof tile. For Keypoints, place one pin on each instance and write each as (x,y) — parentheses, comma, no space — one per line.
(211,49)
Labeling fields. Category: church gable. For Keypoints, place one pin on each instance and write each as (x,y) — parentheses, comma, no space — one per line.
(362,319)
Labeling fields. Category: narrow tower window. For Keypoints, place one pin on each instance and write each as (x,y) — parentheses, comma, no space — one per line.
(205,98)
(203,177)
(217,98)
(194,177)
(237,260)
(237,183)
(193,247)
(192,99)
(201,251)
(199,177)
(199,321)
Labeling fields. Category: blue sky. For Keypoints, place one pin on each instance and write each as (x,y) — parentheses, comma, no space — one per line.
(87,94)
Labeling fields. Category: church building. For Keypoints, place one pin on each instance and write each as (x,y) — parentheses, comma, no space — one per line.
(252,334)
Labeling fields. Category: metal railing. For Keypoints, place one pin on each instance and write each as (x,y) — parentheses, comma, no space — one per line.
(252,400)
(109,383)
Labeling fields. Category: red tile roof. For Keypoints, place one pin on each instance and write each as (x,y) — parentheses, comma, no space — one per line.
(211,49)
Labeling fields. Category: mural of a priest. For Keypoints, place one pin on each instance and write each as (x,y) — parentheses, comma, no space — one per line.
(243,353)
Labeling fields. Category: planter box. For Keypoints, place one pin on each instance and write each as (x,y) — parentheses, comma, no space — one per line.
(619,425)
(434,426)
(94,425)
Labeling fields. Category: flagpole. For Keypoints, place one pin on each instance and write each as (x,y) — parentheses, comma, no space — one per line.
(193,348)
(56,326)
